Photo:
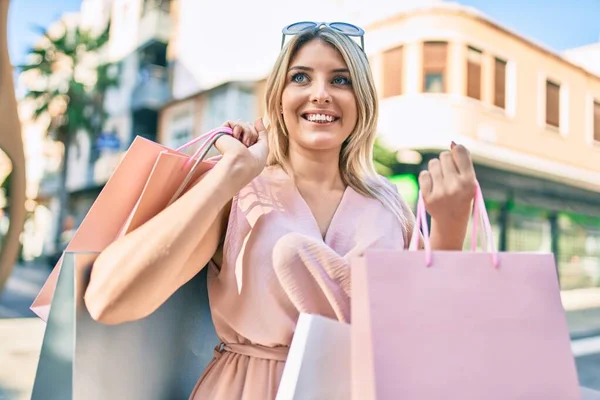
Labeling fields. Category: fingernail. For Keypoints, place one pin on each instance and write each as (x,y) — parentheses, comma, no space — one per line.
(452,144)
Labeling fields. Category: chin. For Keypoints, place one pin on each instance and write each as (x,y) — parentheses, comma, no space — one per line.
(321,141)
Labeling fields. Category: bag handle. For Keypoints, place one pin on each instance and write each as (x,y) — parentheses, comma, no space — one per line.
(199,156)
(204,136)
(208,137)
(480,214)
(212,138)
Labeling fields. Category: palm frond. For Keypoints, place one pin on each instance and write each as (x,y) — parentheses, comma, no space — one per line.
(35,94)
(96,42)
(42,31)
(106,77)
(84,104)
(41,110)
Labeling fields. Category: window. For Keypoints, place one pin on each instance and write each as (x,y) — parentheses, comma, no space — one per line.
(528,230)
(597,121)
(180,137)
(180,129)
(434,67)
(392,72)
(578,257)
(218,108)
(229,102)
(552,103)
(474,73)
(500,83)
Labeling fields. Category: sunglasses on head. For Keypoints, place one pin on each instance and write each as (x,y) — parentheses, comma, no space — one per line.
(298,28)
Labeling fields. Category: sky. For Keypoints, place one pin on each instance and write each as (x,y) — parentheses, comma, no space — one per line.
(557,24)
(24,14)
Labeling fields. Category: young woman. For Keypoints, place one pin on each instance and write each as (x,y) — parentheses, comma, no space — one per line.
(280,216)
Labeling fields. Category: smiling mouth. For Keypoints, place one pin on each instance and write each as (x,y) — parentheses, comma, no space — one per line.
(320,118)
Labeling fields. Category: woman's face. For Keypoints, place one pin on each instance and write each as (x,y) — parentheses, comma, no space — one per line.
(318,102)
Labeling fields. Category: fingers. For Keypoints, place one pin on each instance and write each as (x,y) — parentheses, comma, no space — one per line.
(226,144)
(243,131)
(261,150)
(442,173)
(260,128)
(448,185)
(462,160)
(238,131)
(449,168)
(437,176)
(250,134)
(425,183)
(452,175)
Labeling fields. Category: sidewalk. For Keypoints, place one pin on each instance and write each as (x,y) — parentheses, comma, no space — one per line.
(22,287)
(20,343)
(21,334)
(583,312)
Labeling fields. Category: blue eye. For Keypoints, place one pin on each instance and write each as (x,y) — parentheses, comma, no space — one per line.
(299,77)
(341,80)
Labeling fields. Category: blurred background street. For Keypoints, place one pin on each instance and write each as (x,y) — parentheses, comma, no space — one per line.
(518,83)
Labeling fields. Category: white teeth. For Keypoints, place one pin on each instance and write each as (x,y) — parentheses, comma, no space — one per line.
(320,118)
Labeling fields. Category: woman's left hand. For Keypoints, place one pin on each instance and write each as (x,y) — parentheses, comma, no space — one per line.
(448,188)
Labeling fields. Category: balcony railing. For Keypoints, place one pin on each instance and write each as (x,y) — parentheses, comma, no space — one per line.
(152,88)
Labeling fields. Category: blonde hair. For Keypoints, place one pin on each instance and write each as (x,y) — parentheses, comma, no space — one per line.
(356,159)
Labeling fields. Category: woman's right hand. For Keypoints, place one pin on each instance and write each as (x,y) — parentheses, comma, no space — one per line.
(248,144)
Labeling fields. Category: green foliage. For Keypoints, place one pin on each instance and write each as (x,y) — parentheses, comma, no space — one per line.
(68,81)
(384,159)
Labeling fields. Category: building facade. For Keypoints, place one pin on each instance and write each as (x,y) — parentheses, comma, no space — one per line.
(184,119)
(530,117)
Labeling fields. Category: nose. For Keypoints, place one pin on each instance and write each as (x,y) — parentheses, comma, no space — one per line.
(320,94)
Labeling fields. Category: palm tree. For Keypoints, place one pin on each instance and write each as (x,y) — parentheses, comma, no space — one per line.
(68,82)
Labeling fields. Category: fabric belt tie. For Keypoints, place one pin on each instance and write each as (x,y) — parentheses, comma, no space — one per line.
(278,353)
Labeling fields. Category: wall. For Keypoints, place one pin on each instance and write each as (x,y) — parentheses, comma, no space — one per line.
(417,119)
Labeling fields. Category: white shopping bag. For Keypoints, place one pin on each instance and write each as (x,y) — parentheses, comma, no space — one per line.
(318,364)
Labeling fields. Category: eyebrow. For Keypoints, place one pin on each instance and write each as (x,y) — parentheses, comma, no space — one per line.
(303,68)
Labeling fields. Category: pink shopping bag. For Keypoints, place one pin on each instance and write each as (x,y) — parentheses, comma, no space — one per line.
(147,179)
(459,325)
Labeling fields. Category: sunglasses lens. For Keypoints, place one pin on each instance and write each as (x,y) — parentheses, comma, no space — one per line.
(300,27)
(348,29)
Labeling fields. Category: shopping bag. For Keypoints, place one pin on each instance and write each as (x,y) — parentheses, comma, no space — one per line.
(466,325)
(155,358)
(318,363)
(589,394)
(148,177)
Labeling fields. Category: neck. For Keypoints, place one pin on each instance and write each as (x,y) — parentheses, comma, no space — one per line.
(316,169)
